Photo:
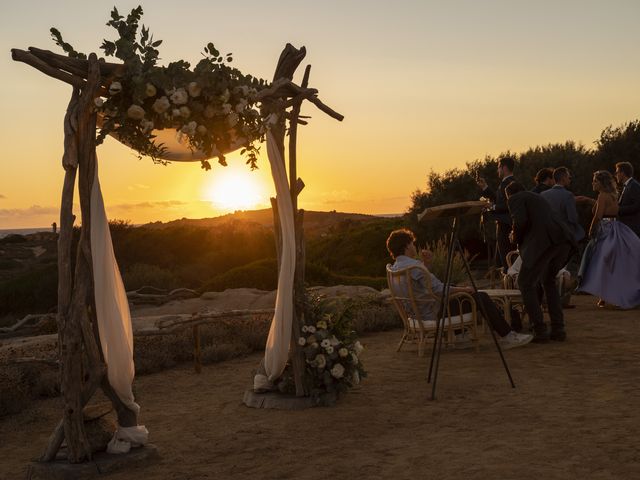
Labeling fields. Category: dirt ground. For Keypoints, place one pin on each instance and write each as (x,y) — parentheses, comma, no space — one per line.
(574,414)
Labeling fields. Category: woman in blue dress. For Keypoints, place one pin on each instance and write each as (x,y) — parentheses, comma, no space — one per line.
(610,267)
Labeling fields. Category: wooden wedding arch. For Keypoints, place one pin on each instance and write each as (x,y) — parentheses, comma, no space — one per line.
(83,368)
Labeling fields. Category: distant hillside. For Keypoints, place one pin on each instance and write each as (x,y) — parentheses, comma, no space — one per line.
(315,223)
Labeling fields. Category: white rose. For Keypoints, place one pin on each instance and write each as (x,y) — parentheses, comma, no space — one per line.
(241,106)
(241,89)
(150,90)
(209,111)
(180,97)
(358,348)
(337,371)
(334,341)
(98,102)
(329,349)
(194,89)
(325,343)
(343,352)
(147,125)
(354,358)
(233,119)
(320,361)
(189,128)
(185,112)
(305,329)
(175,112)
(226,108)
(161,105)
(312,329)
(135,112)
(115,88)
(302,341)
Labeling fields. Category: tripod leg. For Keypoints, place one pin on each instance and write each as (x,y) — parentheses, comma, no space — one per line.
(437,346)
(445,295)
(484,312)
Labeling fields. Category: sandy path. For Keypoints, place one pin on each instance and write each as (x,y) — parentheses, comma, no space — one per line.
(574,414)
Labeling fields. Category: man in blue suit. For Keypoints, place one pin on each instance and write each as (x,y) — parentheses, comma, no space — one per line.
(629,201)
(563,202)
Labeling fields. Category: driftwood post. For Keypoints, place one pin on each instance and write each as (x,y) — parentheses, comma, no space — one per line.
(289,60)
(82,367)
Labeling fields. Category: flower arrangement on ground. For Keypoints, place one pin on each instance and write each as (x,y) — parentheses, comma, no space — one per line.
(213,107)
(331,350)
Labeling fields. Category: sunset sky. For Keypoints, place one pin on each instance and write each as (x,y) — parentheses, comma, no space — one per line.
(424,85)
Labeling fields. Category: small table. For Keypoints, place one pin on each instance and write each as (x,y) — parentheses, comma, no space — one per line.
(506,299)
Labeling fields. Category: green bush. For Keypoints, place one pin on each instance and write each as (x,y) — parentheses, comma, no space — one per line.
(140,275)
(262,274)
(34,291)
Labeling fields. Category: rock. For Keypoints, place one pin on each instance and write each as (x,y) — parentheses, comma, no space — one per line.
(183,293)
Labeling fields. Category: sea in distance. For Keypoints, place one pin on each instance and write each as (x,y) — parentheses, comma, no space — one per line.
(22,231)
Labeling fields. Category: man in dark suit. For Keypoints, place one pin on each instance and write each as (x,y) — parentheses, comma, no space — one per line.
(629,201)
(500,211)
(545,245)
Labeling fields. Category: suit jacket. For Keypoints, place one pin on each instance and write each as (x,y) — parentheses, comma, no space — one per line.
(540,187)
(629,206)
(563,203)
(501,210)
(536,227)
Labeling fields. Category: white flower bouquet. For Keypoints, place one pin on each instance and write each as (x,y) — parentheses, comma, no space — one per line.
(331,351)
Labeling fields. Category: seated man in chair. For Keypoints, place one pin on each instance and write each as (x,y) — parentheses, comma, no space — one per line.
(401,247)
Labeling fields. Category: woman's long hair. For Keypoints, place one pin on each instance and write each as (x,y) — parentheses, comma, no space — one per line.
(606,182)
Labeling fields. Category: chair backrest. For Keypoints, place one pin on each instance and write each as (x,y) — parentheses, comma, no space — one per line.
(407,300)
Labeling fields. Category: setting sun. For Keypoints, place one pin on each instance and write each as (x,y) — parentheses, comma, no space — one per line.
(235,189)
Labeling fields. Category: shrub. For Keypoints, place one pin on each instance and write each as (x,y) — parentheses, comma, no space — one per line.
(140,275)
(35,291)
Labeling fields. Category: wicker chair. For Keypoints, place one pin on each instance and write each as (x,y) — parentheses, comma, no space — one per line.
(420,330)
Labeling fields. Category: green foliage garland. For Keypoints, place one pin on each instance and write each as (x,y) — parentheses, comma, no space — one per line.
(213,107)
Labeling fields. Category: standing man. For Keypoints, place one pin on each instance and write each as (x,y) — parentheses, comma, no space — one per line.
(501,211)
(545,245)
(563,202)
(544,180)
(629,201)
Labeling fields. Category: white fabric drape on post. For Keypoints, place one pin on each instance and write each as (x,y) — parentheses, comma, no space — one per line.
(112,306)
(277,348)
(114,321)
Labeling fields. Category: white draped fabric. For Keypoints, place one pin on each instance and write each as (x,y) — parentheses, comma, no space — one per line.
(114,320)
(277,348)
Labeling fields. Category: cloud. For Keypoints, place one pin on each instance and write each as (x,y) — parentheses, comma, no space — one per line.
(138,186)
(32,211)
(147,205)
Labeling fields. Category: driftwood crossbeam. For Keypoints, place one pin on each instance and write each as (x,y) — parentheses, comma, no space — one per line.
(82,366)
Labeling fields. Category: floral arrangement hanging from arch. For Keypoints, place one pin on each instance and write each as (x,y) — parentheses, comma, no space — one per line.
(213,107)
